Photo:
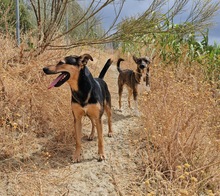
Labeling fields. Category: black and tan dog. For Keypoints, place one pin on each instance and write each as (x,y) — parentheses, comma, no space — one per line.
(132,78)
(90,96)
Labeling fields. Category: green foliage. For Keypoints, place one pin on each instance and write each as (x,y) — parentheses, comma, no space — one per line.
(205,54)
(8,17)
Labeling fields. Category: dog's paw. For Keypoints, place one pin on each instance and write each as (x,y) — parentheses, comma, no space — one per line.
(136,112)
(110,134)
(148,88)
(76,158)
(91,137)
(101,157)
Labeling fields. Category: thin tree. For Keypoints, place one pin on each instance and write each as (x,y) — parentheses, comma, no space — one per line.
(51,15)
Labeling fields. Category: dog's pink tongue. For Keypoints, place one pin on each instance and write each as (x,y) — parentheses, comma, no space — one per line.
(55,81)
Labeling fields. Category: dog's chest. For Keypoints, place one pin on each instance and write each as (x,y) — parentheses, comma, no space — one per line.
(91,110)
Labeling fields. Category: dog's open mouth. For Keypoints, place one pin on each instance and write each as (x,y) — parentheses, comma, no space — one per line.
(61,79)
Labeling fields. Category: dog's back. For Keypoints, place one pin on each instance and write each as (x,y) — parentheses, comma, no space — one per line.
(104,95)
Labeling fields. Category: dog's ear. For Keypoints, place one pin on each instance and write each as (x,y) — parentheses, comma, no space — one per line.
(85,58)
(135,59)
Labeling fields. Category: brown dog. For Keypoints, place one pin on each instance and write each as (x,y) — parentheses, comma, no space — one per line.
(132,78)
(90,96)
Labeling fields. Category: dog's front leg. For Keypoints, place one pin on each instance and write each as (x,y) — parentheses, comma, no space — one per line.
(100,139)
(129,97)
(77,114)
(78,129)
(135,94)
(148,79)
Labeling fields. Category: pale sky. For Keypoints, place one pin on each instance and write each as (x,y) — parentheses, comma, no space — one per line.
(135,7)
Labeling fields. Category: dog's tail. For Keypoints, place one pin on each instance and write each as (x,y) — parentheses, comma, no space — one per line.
(118,64)
(105,68)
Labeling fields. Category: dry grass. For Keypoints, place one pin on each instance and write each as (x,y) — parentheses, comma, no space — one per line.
(182,133)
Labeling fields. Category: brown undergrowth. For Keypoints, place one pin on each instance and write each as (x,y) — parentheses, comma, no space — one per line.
(182,133)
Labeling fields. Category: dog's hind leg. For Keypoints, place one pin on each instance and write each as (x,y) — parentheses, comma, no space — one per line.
(109,115)
(120,90)
(91,136)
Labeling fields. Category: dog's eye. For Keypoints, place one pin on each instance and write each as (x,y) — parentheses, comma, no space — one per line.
(147,61)
(71,60)
(139,61)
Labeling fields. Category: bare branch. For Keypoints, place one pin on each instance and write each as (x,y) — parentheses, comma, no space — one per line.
(155,19)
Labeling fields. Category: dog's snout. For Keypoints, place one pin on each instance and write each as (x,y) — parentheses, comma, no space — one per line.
(142,66)
(46,70)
